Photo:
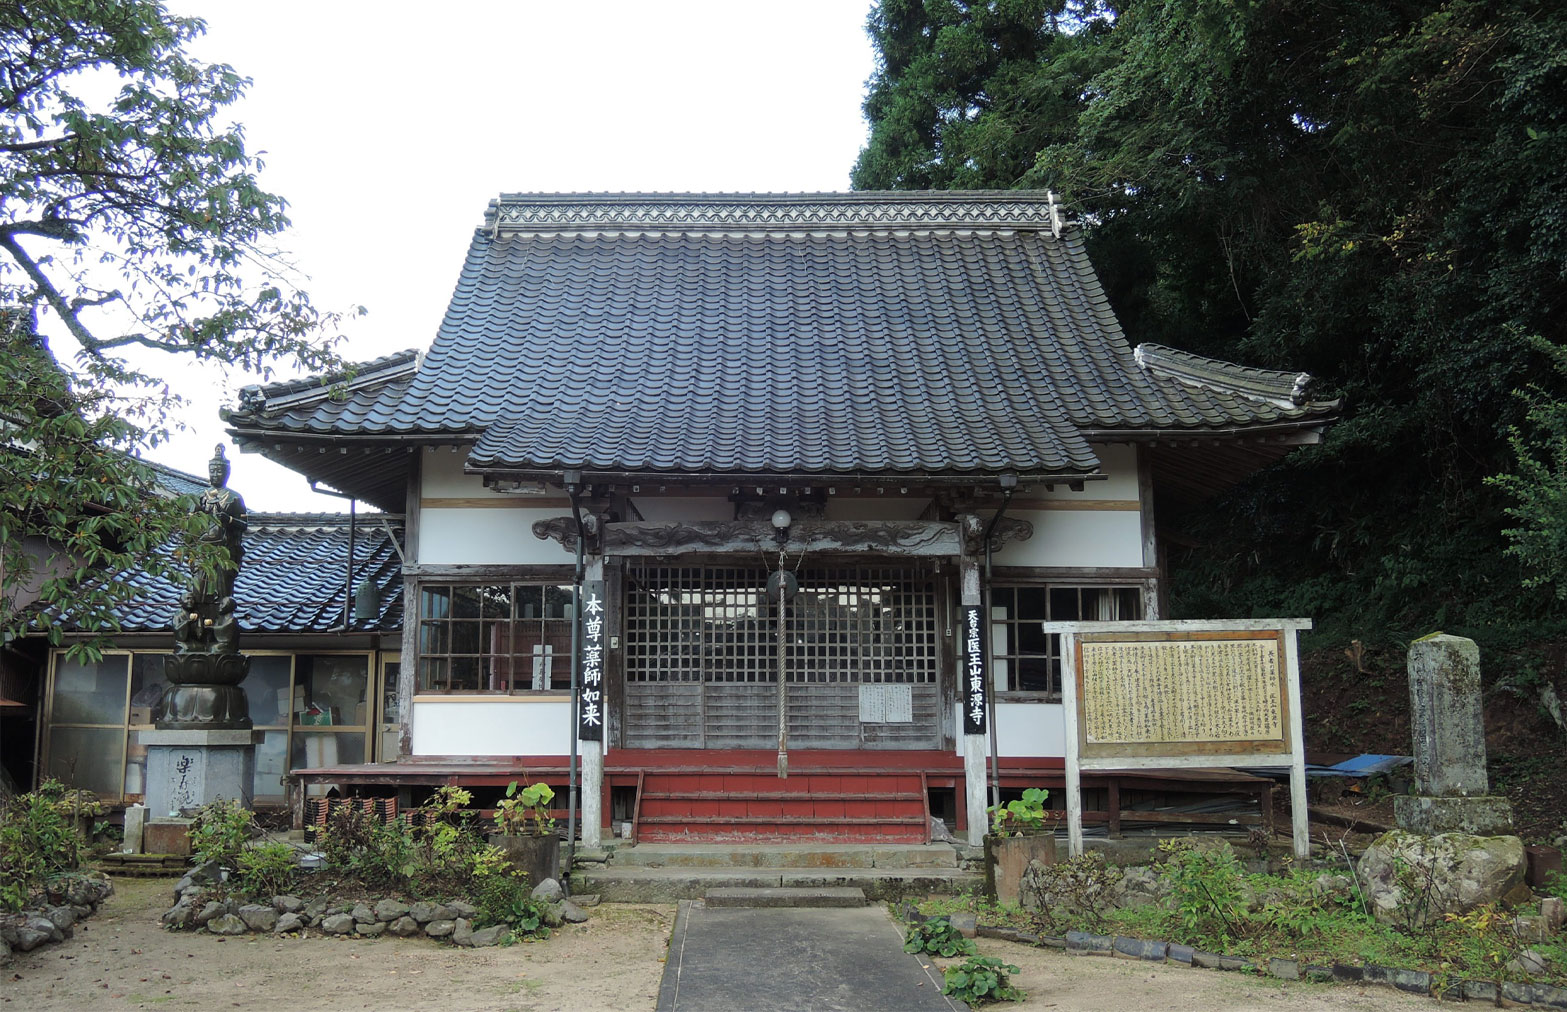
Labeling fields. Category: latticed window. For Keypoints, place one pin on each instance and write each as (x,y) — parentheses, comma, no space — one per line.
(1024,657)
(716,624)
(494,638)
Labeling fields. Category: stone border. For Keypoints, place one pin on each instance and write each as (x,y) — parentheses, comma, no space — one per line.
(69,900)
(199,908)
(1082,943)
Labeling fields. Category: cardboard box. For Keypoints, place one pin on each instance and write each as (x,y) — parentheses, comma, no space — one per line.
(141,715)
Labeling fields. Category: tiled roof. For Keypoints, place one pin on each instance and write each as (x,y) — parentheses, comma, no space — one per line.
(173,482)
(293,577)
(896,333)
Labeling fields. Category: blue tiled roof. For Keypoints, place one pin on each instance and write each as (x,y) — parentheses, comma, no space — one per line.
(830,333)
(293,578)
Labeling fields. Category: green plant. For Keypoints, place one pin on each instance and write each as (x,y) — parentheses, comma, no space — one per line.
(531,802)
(1205,888)
(937,937)
(1020,814)
(503,897)
(1076,893)
(1555,885)
(37,841)
(265,870)
(981,979)
(221,830)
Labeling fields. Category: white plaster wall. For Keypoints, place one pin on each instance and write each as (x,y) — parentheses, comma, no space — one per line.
(503,727)
(1077,538)
(880,507)
(1119,463)
(1026,730)
(441,477)
(489,536)
(659,509)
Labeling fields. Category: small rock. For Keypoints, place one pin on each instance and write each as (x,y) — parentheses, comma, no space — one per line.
(553,915)
(573,914)
(488,936)
(259,917)
(404,927)
(440,928)
(1554,911)
(462,931)
(5,950)
(390,910)
(462,909)
(289,922)
(372,929)
(316,907)
(208,911)
(337,924)
(62,917)
(549,891)
(81,910)
(424,913)
(210,873)
(965,924)
(363,914)
(227,924)
(180,915)
(34,932)
(586,900)
(1529,962)
(287,904)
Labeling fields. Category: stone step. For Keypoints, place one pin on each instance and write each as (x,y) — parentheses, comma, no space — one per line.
(786,896)
(663,885)
(786,855)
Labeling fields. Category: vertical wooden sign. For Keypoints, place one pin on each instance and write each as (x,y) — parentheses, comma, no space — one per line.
(590,703)
(974,667)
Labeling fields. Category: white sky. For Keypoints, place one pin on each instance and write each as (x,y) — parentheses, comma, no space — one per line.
(389,125)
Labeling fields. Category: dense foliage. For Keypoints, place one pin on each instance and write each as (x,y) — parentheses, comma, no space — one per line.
(1373,193)
(38,840)
(134,233)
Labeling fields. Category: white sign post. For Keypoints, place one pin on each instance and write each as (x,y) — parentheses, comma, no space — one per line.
(1154,695)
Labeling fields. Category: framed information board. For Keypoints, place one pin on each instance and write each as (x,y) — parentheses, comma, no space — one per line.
(1151,695)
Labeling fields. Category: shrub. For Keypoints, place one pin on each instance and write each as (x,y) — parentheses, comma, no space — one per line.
(37,841)
(1205,889)
(502,896)
(981,979)
(938,938)
(220,831)
(265,870)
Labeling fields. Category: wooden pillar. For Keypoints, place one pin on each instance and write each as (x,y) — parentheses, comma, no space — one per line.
(591,753)
(408,662)
(974,745)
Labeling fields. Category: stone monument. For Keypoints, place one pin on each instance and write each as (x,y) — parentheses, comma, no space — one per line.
(1453,850)
(1452,789)
(203,747)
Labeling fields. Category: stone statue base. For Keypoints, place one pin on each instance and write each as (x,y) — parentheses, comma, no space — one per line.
(1488,815)
(188,769)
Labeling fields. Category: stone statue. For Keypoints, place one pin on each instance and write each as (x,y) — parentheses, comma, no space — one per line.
(207,667)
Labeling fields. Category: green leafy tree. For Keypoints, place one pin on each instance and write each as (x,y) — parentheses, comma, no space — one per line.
(134,232)
(1369,192)
(1538,484)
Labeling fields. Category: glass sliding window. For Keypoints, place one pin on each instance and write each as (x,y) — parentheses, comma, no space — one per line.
(88,708)
(1024,658)
(495,638)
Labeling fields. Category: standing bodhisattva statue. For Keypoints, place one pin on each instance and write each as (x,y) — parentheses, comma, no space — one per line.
(206,668)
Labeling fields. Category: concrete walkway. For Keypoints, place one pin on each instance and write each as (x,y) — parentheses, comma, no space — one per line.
(794,960)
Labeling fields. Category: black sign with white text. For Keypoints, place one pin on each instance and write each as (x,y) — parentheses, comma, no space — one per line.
(590,705)
(974,703)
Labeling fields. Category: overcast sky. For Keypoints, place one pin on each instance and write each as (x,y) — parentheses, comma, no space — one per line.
(388,126)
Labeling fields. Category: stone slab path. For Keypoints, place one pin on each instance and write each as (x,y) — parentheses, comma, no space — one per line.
(790,959)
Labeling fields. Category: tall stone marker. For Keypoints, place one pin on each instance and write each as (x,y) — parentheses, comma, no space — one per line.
(1452,790)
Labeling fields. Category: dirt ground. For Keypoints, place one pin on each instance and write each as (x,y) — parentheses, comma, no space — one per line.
(123,959)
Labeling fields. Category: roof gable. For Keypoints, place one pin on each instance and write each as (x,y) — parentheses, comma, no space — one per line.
(933,334)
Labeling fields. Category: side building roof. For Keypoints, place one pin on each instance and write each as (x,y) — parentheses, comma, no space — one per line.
(911,335)
(294,578)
